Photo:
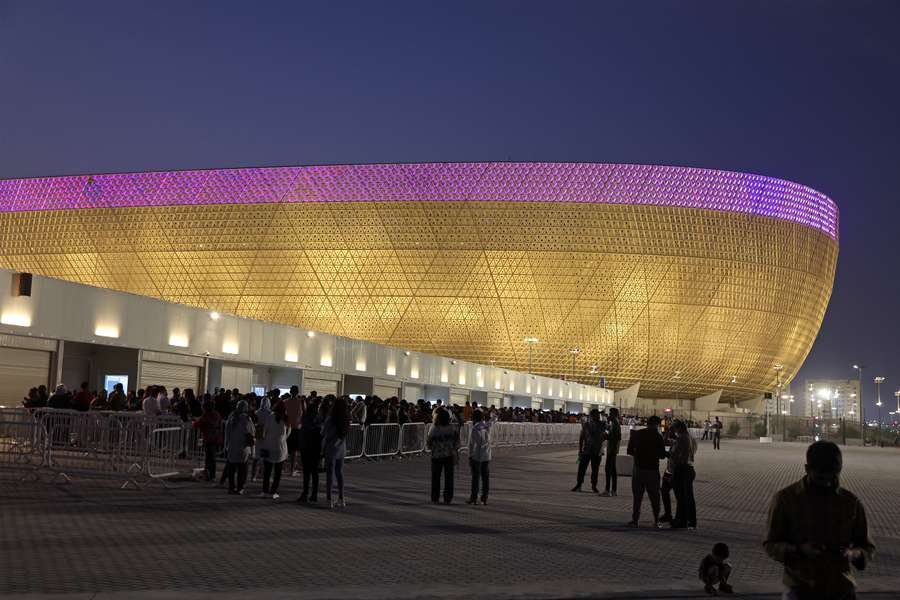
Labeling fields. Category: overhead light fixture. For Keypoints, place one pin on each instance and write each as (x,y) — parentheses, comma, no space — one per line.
(531,340)
(179,340)
(310,334)
(109,331)
(406,353)
(214,316)
(452,362)
(16,319)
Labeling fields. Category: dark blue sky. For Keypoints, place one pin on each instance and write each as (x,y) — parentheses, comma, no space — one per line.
(808,91)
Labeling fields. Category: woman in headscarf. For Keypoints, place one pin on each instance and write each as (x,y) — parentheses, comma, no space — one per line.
(273,448)
(239,441)
(334,447)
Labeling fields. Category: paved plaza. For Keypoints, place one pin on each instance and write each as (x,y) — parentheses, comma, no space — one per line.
(534,540)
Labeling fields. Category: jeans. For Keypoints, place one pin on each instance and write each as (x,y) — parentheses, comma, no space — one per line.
(239,470)
(645,480)
(666,497)
(310,458)
(438,466)
(584,459)
(334,471)
(210,449)
(270,469)
(717,440)
(683,482)
(612,476)
(480,472)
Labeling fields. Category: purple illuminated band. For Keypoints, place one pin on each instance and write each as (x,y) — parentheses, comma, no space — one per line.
(435,182)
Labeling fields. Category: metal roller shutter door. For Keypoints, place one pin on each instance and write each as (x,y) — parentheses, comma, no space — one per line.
(322,387)
(170,375)
(459,397)
(384,392)
(412,393)
(21,370)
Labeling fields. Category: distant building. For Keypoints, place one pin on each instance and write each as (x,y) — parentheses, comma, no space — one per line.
(832,398)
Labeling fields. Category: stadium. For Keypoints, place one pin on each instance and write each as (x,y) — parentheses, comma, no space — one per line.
(683,280)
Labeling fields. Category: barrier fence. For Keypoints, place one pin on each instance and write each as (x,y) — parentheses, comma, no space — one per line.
(138,449)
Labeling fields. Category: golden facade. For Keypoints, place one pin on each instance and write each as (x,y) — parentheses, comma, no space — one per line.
(684,300)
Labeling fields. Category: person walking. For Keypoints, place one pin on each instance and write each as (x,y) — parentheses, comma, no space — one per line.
(818,531)
(682,458)
(717,434)
(647,447)
(294,405)
(239,440)
(480,456)
(334,446)
(273,449)
(705,430)
(443,443)
(613,441)
(590,449)
(209,425)
(310,444)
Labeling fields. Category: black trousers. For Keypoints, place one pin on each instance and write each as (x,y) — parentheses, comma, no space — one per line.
(717,440)
(716,575)
(210,450)
(481,472)
(683,483)
(644,480)
(238,470)
(664,491)
(799,593)
(612,476)
(441,466)
(594,460)
(705,435)
(310,458)
(271,471)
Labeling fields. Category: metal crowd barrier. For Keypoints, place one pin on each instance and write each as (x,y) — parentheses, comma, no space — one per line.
(141,449)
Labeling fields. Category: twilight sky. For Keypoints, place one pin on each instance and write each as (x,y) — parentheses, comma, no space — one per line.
(807,91)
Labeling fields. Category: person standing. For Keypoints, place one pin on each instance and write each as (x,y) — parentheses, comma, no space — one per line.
(239,441)
(334,445)
(590,449)
(818,531)
(682,457)
(480,456)
(294,409)
(310,451)
(647,447)
(274,445)
(443,443)
(209,425)
(717,434)
(613,441)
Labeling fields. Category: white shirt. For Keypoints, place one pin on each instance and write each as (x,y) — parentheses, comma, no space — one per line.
(150,406)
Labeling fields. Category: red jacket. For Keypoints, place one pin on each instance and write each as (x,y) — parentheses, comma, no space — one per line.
(210,426)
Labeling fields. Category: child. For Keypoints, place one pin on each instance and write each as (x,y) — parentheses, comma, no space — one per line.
(715,570)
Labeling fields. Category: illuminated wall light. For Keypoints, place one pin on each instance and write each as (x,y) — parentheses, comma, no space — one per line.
(391,370)
(444,376)
(17,319)
(230,347)
(361,363)
(310,334)
(527,387)
(325,361)
(214,316)
(109,331)
(177,339)
(291,356)
(462,378)
(414,372)
(512,385)
(497,384)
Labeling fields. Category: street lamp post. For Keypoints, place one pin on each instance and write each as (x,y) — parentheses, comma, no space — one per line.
(531,341)
(574,352)
(862,410)
(897,396)
(878,382)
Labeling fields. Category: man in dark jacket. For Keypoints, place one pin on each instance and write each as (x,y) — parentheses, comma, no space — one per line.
(614,438)
(590,450)
(647,447)
(818,530)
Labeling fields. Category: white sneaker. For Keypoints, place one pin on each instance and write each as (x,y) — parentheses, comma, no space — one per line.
(275,496)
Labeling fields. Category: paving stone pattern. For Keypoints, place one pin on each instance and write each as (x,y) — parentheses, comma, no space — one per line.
(535,539)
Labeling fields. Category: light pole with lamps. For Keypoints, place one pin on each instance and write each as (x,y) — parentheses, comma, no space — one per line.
(531,341)
(897,396)
(862,410)
(574,352)
(878,382)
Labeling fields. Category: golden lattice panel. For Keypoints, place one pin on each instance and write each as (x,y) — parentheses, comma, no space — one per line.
(643,291)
